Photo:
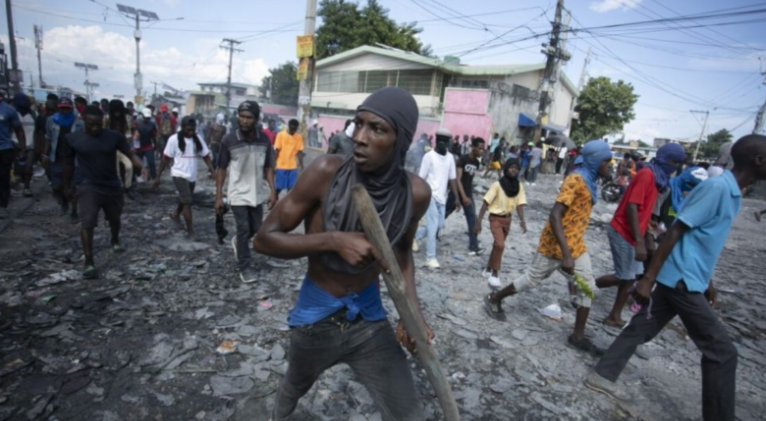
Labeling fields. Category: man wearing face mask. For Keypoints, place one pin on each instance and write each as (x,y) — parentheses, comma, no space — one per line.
(438,170)
(56,148)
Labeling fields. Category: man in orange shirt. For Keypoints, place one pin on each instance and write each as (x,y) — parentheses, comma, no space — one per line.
(289,146)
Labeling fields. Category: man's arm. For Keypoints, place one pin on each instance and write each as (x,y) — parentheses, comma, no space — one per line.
(644,287)
(163,163)
(635,229)
(557,213)
(453,186)
(300,160)
(273,239)
(477,226)
(522,222)
(21,136)
(463,196)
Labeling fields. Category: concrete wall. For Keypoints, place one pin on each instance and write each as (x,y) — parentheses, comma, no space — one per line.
(465,112)
(504,110)
(281,110)
(372,62)
(529,80)
(562,101)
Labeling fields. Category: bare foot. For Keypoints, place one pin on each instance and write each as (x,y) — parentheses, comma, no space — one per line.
(619,323)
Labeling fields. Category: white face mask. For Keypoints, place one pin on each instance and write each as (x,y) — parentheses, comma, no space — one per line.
(350,130)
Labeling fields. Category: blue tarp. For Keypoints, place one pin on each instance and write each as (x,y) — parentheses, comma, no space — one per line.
(526,121)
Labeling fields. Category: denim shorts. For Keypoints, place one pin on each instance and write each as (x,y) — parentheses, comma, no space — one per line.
(626,267)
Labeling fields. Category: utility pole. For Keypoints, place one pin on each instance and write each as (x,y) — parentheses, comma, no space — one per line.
(702,133)
(761,113)
(139,15)
(304,93)
(580,85)
(39,47)
(554,53)
(88,85)
(15,76)
(154,95)
(230,47)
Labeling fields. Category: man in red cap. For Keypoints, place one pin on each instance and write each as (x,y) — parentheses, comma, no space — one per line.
(167,125)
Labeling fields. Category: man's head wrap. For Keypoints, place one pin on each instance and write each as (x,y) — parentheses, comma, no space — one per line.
(593,154)
(389,187)
(661,166)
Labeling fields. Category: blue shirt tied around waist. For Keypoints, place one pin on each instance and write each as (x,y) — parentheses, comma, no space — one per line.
(315,304)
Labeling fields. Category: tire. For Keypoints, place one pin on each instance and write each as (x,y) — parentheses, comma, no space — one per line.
(610,192)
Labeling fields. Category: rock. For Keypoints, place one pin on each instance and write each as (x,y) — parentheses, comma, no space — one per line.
(519,334)
(502,386)
(224,386)
(166,400)
(502,342)
(466,334)
(277,353)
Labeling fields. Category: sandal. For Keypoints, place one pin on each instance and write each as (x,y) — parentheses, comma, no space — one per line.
(494,310)
(584,344)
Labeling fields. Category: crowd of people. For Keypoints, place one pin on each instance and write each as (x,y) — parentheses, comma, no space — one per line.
(665,237)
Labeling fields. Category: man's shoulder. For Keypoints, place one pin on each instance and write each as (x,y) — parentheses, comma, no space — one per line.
(421,191)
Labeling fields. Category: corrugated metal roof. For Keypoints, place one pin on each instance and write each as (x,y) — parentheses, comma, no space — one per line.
(466,70)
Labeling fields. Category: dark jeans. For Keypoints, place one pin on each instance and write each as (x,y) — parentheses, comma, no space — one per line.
(532,174)
(369,348)
(559,163)
(6,163)
(215,149)
(719,356)
(248,220)
(150,162)
(470,219)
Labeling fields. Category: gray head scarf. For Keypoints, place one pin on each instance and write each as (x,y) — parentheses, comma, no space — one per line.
(389,187)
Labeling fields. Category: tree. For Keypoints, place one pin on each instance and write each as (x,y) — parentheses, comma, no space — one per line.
(282,83)
(345,26)
(604,108)
(709,149)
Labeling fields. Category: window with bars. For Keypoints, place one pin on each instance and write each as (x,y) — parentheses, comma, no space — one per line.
(416,82)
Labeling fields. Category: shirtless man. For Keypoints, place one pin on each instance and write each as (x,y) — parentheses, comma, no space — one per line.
(339,316)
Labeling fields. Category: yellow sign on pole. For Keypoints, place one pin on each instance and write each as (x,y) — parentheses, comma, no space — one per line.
(303,69)
(138,99)
(305,46)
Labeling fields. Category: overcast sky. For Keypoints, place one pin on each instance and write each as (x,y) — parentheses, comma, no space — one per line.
(673,71)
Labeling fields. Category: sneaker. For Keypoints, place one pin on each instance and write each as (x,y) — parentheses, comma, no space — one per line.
(248,276)
(494,309)
(584,344)
(234,244)
(476,252)
(4,214)
(90,272)
(595,382)
(433,264)
(118,248)
(494,282)
(27,193)
(415,246)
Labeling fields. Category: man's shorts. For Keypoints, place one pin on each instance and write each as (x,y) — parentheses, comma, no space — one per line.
(624,256)
(185,190)
(90,200)
(285,179)
(542,267)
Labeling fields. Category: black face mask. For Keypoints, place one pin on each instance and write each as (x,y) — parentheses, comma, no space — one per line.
(441,147)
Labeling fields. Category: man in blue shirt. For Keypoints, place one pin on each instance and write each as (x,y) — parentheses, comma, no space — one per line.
(682,267)
(9,121)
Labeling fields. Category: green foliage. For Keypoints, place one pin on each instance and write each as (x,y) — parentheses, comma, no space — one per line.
(604,107)
(709,149)
(346,26)
(283,84)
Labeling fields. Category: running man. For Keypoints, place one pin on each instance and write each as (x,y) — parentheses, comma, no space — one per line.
(562,242)
(682,269)
(339,316)
(100,187)
(289,147)
(184,148)
(467,167)
(628,234)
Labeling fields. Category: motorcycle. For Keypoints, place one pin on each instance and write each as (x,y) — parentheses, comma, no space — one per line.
(610,191)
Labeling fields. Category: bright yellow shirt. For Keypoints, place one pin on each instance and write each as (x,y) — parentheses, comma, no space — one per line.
(288,146)
(500,204)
